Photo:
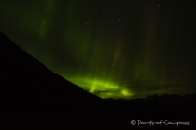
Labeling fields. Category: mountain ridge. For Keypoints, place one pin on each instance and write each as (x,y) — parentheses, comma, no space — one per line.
(29,88)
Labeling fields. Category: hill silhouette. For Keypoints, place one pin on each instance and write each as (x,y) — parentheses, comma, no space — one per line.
(30,90)
(32,95)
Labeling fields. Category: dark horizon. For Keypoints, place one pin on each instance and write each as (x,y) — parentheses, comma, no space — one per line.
(129,49)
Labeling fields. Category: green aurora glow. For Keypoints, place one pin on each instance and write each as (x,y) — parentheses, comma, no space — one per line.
(113,49)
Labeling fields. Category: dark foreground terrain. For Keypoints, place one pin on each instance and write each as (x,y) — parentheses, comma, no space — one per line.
(33,97)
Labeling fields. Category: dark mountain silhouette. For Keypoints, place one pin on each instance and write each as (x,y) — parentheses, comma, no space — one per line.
(30,90)
(25,78)
(32,95)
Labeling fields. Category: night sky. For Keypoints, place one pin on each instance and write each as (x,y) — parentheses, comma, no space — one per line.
(112,48)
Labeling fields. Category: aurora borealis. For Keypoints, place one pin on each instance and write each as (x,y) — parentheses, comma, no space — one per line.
(112,48)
